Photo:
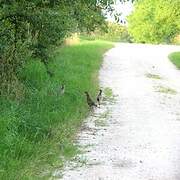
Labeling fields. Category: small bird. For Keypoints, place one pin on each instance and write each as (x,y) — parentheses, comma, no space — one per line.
(99,97)
(62,89)
(90,102)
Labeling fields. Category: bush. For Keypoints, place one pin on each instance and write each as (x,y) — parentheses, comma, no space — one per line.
(114,33)
(176,40)
(35,28)
(155,21)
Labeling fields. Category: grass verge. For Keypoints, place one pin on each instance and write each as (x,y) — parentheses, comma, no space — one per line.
(175,59)
(37,132)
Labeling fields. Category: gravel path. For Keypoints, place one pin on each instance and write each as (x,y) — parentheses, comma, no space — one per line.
(136,133)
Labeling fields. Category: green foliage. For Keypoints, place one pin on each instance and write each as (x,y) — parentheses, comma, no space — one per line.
(40,128)
(114,32)
(176,40)
(155,21)
(34,74)
(35,28)
(175,58)
(36,121)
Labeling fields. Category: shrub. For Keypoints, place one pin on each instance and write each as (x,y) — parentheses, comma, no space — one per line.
(114,32)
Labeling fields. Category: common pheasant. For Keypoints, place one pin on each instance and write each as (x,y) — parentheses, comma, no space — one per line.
(90,102)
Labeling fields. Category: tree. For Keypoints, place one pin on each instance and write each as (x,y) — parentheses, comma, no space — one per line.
(155,21)
(33,28)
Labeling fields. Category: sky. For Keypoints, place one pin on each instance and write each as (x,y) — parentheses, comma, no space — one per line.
(124,8)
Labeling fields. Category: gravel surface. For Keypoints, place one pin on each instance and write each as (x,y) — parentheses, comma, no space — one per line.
(135,135)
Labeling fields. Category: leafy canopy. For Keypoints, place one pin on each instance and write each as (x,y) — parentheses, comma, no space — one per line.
(155,21)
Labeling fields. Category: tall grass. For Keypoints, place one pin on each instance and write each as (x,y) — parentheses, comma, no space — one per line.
(175,59)
(36,131)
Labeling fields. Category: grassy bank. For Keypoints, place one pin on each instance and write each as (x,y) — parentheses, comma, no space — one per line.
(175,59)
(39,128)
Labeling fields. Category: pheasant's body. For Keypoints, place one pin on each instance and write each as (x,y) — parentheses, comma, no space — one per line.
(99,97)
(90,102)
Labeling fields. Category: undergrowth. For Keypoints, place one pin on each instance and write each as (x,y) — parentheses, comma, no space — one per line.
(37,131)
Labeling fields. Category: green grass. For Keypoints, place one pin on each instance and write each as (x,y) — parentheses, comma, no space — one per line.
(39,130)
(166,90)
(175,59)
(153,76)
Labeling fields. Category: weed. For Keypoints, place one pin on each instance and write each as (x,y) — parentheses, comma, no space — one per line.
(153,76)
(109,96)
(166,90)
